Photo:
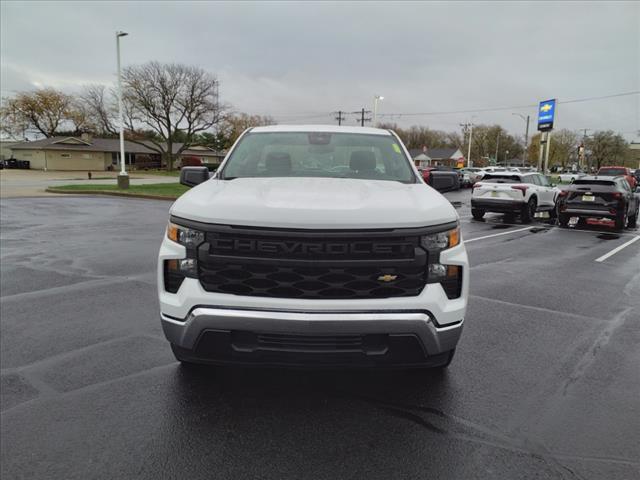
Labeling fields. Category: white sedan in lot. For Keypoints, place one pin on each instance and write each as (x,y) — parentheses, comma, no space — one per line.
(570,177)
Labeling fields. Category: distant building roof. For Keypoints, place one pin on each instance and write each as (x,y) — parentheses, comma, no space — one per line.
(444,153)
(97,144)
(435,153)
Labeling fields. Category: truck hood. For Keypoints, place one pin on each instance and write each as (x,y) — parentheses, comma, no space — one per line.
(327,203)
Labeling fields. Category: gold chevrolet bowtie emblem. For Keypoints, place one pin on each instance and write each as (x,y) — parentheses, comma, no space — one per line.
(387,278)
(546,107)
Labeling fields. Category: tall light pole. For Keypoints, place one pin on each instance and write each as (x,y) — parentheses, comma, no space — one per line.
(123,178)
(376,98)
(526,137)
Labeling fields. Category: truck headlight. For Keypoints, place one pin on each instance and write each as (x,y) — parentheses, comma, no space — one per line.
(188,237)
(441,240)
(175,270)
(449,276)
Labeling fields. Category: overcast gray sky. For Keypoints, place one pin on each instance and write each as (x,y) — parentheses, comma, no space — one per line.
(300,61)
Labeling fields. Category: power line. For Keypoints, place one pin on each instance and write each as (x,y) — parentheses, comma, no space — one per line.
(313,115)
(340,118)
(513,107)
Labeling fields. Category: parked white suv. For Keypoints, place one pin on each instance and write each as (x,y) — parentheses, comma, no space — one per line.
(313,245)
(516,193)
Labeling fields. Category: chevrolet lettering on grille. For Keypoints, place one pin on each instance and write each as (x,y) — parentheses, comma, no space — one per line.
(239,245)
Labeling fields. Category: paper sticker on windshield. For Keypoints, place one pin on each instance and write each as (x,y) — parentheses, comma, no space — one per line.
(396,148)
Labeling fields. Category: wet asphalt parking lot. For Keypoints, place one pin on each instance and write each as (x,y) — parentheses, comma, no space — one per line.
(545,383)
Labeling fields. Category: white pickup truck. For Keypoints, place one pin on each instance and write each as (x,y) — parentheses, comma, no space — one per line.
(313,245)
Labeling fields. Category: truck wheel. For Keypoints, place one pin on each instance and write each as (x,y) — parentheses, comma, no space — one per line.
(477,213)
(529,210)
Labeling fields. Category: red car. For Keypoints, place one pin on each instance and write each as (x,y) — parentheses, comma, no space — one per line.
(619,171)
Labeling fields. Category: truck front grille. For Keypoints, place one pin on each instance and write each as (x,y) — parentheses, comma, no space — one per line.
(310,281)
(313,265)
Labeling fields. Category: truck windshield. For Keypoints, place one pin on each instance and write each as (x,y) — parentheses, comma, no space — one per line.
(319,154)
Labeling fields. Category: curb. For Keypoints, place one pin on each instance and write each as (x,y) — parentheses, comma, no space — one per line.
(113,194)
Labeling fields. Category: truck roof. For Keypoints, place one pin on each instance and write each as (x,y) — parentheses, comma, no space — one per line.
(321,128)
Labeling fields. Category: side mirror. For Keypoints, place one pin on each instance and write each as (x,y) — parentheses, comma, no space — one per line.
(192,176)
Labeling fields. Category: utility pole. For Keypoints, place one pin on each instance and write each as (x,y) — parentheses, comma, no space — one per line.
(526,137)
(582,149)
(468,125)
(340,118)
(362,118)
(497,146)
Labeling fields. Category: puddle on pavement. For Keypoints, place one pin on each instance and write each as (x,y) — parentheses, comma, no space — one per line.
(500,227)
(456,204)
(538,229)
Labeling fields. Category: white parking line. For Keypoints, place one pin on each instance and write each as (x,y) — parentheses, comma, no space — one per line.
(617,249)
(498,234)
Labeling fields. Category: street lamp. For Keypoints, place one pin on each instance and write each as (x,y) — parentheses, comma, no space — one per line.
(506,154)
(123,177)
(376,98)
(526,137)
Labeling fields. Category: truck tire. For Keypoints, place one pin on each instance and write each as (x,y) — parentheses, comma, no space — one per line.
(529,210)
(563,220)
(477,213)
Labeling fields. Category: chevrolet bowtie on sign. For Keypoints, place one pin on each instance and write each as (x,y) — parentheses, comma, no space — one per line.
(546,115)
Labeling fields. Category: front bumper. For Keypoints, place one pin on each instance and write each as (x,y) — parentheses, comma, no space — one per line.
(234,336)
(192,316)
(497,205)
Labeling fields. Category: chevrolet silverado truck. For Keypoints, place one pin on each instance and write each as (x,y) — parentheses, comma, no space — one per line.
(313,246)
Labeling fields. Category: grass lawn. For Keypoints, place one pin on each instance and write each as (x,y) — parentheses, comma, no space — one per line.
(158,189)
(172,173)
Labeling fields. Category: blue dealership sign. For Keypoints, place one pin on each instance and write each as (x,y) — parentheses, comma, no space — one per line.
(546,115)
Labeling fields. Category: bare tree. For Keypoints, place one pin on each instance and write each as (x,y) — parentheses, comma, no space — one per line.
(607,148)
(232,126)
(172,101)
(45,111)
(101,109)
